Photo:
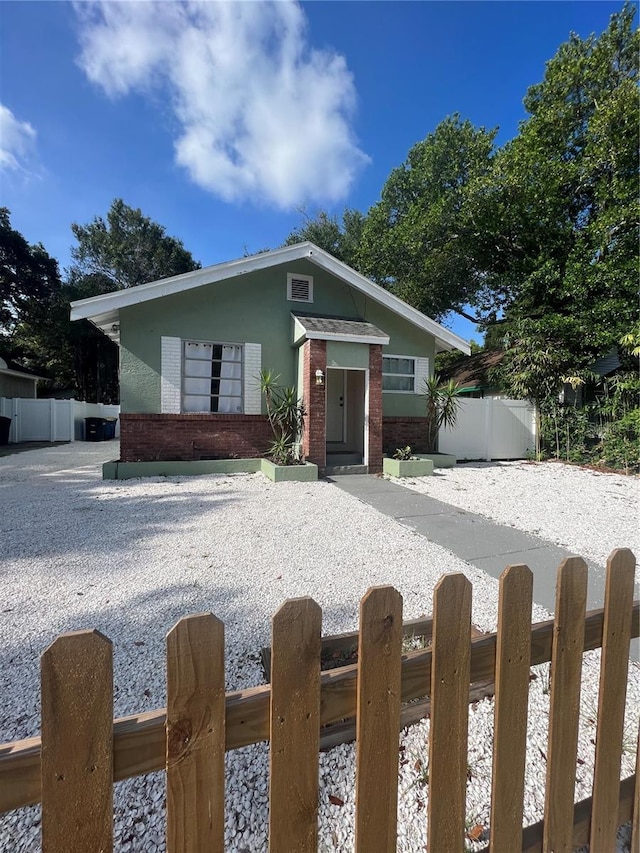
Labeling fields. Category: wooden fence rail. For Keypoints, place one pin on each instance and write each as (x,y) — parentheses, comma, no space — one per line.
(82,751)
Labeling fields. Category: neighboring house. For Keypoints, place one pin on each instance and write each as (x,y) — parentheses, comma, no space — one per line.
(192,347)
(583,393)
(15,381)
(471,374)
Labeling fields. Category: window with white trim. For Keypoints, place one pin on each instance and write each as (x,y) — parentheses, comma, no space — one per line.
(212,377)
(299,288)
(399,374)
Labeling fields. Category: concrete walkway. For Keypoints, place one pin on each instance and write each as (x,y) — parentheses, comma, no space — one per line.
(475,539)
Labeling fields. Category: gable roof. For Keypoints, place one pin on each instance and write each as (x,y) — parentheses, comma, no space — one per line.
(10,368)
(338,329)
(103,311)
(471,374)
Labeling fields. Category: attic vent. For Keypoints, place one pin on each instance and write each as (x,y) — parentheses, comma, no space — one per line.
(299,288)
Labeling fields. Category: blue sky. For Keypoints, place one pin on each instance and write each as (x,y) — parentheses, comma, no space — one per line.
(221,121)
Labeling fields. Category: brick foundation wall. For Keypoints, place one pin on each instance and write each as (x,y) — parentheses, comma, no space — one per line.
(400,432)
(375,409)
(145,438)
(314,445)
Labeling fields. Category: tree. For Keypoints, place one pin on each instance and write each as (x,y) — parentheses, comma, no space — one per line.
(340,239)
(422,240)
(546,224)
(125,250)
(29,277)
(571,176)
(33,305)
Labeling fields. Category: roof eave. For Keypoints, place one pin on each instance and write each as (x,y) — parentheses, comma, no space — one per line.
(6,371)
(109,304)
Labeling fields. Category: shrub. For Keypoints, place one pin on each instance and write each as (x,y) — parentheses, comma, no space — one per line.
(620,445)
(402,453)
(286,416)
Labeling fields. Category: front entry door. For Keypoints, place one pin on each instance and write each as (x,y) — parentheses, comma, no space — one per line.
(335,405)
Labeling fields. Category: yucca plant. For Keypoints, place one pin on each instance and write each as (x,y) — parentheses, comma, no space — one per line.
(286,416)
(442,407)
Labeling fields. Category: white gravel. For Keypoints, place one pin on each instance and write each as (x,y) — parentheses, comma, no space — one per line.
(130,558)
(588,512)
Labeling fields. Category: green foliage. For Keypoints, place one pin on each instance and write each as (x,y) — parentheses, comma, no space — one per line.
(402,453)
(286,416)
(442,405)
(567,432)
(341,239)
(569,192)
(620,445)
(540,236)
(123,251)
(422,240)
(603,432)
(29,278)
(34,307)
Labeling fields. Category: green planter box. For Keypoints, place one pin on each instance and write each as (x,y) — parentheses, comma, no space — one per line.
(440,460)
(407,467)
(305,473)
(132,470)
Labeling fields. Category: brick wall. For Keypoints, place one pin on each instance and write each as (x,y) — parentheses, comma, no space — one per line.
(375,409)
(400,431)
(314,446)
(145,438)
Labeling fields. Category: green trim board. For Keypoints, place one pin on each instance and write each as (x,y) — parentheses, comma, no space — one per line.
(116,470)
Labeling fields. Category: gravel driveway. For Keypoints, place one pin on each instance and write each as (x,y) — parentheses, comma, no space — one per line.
(131,557)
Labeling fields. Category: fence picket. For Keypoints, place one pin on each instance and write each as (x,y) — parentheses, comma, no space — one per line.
(616,636)
(513,654)
(564,712)
(295,727)
(82,751)
(378,719)
(77,744)
(448,734)
(635,813)
(195,735)
(140,739)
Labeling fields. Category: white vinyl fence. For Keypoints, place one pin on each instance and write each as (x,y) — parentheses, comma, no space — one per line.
(491,428)
(51,420)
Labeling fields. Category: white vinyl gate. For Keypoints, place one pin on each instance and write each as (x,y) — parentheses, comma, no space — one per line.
(51,420)
(491,428)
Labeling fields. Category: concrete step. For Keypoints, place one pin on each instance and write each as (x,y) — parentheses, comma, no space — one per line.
(330,470)
(343,457)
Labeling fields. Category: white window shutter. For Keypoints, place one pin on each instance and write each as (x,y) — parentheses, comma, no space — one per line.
(252,368)
(422,373)
(170,375)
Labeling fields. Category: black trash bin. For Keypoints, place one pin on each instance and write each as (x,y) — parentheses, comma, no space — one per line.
(5,427)
(94,429)
(110,428)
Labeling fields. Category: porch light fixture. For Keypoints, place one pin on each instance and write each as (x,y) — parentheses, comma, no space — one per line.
(319,377)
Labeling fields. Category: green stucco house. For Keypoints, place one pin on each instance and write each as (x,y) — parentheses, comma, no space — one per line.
(192,347)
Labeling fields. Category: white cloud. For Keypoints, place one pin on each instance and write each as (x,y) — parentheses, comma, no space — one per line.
(262,115)
(17,141)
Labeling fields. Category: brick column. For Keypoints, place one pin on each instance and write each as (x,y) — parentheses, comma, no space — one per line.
(314,438)
(375,408)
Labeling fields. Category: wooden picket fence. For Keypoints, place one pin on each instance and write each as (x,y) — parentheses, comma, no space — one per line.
(71,768)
